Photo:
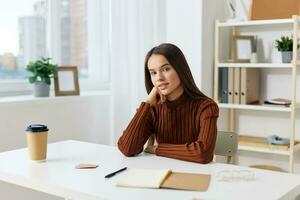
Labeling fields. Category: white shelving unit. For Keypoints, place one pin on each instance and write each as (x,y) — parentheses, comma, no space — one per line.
(257,65)
(289,66)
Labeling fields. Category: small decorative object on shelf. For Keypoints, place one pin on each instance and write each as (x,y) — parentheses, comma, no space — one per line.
(42,72)
(242,48)
(276,140)
(253,58)
(285,45)
(279,101)
(231,9)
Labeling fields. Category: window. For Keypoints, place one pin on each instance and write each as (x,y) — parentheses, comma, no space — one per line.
(22,37)
(69,34)
(51,28)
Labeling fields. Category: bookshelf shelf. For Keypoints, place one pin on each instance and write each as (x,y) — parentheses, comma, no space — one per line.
(257,65)
(259,144)
(256,22)
(263,150)
(255,107)
(234,96)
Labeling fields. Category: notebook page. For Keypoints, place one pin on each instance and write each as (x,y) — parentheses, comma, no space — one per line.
(142,178)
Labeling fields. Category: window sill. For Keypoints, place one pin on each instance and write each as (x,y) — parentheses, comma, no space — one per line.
(52,98)
(20,89)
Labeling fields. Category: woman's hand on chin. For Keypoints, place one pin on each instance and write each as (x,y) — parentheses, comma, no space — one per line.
(155,97)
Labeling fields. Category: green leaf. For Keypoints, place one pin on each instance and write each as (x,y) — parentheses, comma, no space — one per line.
(41,69)
(32,79)
(285,43)
(48,81)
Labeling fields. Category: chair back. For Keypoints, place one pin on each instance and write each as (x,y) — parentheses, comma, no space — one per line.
(226,144)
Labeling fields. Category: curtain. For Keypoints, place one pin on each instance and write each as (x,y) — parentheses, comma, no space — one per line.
(135,27)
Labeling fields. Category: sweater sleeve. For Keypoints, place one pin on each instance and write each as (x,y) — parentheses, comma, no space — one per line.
(200,151)
(137,132)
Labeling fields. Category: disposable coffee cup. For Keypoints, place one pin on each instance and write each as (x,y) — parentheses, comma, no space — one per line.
(37,137)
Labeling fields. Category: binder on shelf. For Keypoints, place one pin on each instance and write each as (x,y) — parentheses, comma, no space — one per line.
(230,84)
(223,85)
(249,85)
(236,85)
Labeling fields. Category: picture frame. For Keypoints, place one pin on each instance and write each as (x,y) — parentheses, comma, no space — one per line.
(66,81)
(242,46)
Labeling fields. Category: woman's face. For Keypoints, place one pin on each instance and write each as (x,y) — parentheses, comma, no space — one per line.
(164,77)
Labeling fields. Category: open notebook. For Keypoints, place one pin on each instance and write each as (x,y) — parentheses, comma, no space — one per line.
(163,178)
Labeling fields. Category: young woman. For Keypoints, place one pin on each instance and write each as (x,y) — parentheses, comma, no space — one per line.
(182,119)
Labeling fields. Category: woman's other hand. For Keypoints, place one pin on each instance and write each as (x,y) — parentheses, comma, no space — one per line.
(150,149)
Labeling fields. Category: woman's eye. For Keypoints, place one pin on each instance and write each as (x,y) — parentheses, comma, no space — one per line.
(165,69)
(152,73)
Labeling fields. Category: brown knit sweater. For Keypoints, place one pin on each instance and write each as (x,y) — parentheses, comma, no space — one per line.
(185,129)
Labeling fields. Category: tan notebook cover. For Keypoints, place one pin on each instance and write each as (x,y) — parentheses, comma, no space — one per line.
(187,181)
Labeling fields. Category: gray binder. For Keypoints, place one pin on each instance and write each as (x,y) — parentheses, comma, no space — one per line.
(223,85)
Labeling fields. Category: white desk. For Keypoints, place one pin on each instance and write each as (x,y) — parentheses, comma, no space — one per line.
(57,176)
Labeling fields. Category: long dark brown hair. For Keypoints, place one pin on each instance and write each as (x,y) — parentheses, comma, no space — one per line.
(176,58)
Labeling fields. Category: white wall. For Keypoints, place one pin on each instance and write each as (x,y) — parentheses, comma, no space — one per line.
(190,25)
(83,118)
(184,29)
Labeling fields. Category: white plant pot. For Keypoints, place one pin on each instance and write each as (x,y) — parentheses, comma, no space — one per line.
(287,56)
(41,89)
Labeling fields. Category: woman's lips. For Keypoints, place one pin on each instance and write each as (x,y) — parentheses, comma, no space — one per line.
(163,86)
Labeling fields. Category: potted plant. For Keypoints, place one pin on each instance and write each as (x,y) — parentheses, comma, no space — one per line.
(42,72)
(285,45)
